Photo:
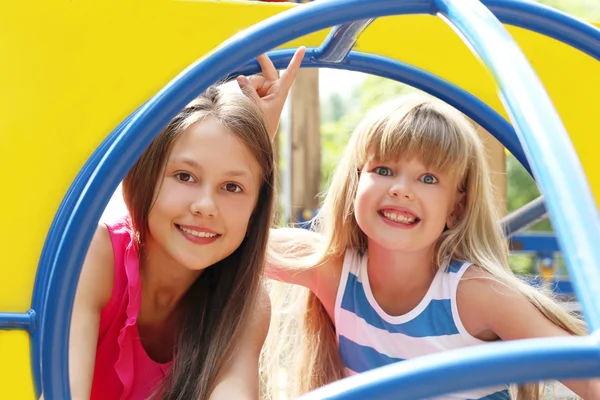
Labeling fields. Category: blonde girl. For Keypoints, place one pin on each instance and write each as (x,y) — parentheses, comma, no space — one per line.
(405,258)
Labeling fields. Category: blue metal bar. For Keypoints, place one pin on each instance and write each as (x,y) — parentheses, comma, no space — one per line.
(11,321)
(544,138)
(473,367)
(385,67)
(525,216)
(93,195)
(534,242)
(548,21)
(340,41)
(52,245)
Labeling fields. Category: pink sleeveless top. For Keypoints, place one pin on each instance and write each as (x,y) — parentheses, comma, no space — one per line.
(123,370)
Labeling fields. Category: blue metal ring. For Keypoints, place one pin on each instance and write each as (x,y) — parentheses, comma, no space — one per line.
(65,265)
(51,246)
(385,67)
(462,369)
(552,156)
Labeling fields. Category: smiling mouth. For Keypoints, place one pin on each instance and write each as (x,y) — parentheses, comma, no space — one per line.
(199,234)
(399,218)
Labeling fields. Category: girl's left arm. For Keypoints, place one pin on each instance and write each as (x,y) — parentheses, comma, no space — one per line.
(241,379)
(490,307)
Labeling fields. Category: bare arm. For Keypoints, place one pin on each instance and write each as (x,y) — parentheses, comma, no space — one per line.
(93,293)
(293,255)
(488,307)
(241,380)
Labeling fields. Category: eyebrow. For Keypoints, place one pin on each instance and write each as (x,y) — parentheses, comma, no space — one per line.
(192,163)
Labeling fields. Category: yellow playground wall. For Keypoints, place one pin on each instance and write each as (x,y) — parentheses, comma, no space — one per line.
(72,70)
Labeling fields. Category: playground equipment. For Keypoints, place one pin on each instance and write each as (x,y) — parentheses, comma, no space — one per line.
(74,70)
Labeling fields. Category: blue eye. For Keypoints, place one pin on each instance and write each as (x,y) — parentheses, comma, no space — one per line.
(185,177)
(429,179)
(232,187)
(383,171)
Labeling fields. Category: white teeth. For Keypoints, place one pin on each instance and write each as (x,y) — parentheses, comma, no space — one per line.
(398,217)
(196,233)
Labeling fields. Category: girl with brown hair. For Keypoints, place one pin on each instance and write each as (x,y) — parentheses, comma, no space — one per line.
(170,303)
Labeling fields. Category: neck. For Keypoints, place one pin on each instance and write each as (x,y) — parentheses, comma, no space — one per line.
(164,281)
(399,271)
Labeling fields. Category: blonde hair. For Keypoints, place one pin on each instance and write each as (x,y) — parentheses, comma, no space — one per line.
(444,140)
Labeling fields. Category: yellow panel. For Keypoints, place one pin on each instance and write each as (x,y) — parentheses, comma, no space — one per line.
(571,78)
(73,69)
(15,369)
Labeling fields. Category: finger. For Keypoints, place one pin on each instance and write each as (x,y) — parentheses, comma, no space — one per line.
(268,69)
(247,88)
(261,85)
(289,75)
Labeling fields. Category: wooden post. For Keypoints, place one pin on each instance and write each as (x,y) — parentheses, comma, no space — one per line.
(497,161)
(305,142)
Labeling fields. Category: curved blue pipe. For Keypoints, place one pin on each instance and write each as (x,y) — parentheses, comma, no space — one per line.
(490,364)
(553,159)
(112,166)
(385,67)
(548,21)
(52,246)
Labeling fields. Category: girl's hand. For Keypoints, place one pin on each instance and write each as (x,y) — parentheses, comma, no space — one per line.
(270,91)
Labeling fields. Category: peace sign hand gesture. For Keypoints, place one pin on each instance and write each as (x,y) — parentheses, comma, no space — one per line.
(270,91)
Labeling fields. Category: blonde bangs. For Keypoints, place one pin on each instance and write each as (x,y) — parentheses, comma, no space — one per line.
(420,127)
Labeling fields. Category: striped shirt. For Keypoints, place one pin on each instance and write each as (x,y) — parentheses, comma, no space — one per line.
(368,337)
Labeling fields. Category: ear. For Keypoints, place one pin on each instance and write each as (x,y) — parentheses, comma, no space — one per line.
(457,212)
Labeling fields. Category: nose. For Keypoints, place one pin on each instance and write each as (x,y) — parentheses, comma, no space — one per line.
(204,204)
(401,188)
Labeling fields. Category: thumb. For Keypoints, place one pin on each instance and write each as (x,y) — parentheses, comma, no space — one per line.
(248,89)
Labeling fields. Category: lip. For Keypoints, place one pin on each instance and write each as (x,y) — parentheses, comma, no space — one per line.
(399,210)
(197,239)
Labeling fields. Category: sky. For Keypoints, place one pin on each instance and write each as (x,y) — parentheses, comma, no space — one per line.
(341,81)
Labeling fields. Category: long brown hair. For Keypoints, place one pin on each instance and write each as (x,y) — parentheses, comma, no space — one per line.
(218,303)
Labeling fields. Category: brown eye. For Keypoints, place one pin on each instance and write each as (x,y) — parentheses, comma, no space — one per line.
(184,177)
(232,187)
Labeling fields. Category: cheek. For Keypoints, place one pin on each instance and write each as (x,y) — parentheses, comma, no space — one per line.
(237,213)
(363,201)
(169,192)
(367,192)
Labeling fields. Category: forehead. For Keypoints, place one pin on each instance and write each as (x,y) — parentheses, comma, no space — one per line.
(214,148)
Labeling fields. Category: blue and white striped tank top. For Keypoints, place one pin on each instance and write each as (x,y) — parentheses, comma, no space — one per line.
(368,337)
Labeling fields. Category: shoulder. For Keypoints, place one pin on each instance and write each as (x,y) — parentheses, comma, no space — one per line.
(97,272)
(477,283)
(296,256)
(477,295)
(497,306)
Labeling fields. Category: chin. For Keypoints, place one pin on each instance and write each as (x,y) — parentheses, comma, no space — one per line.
(196,264)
